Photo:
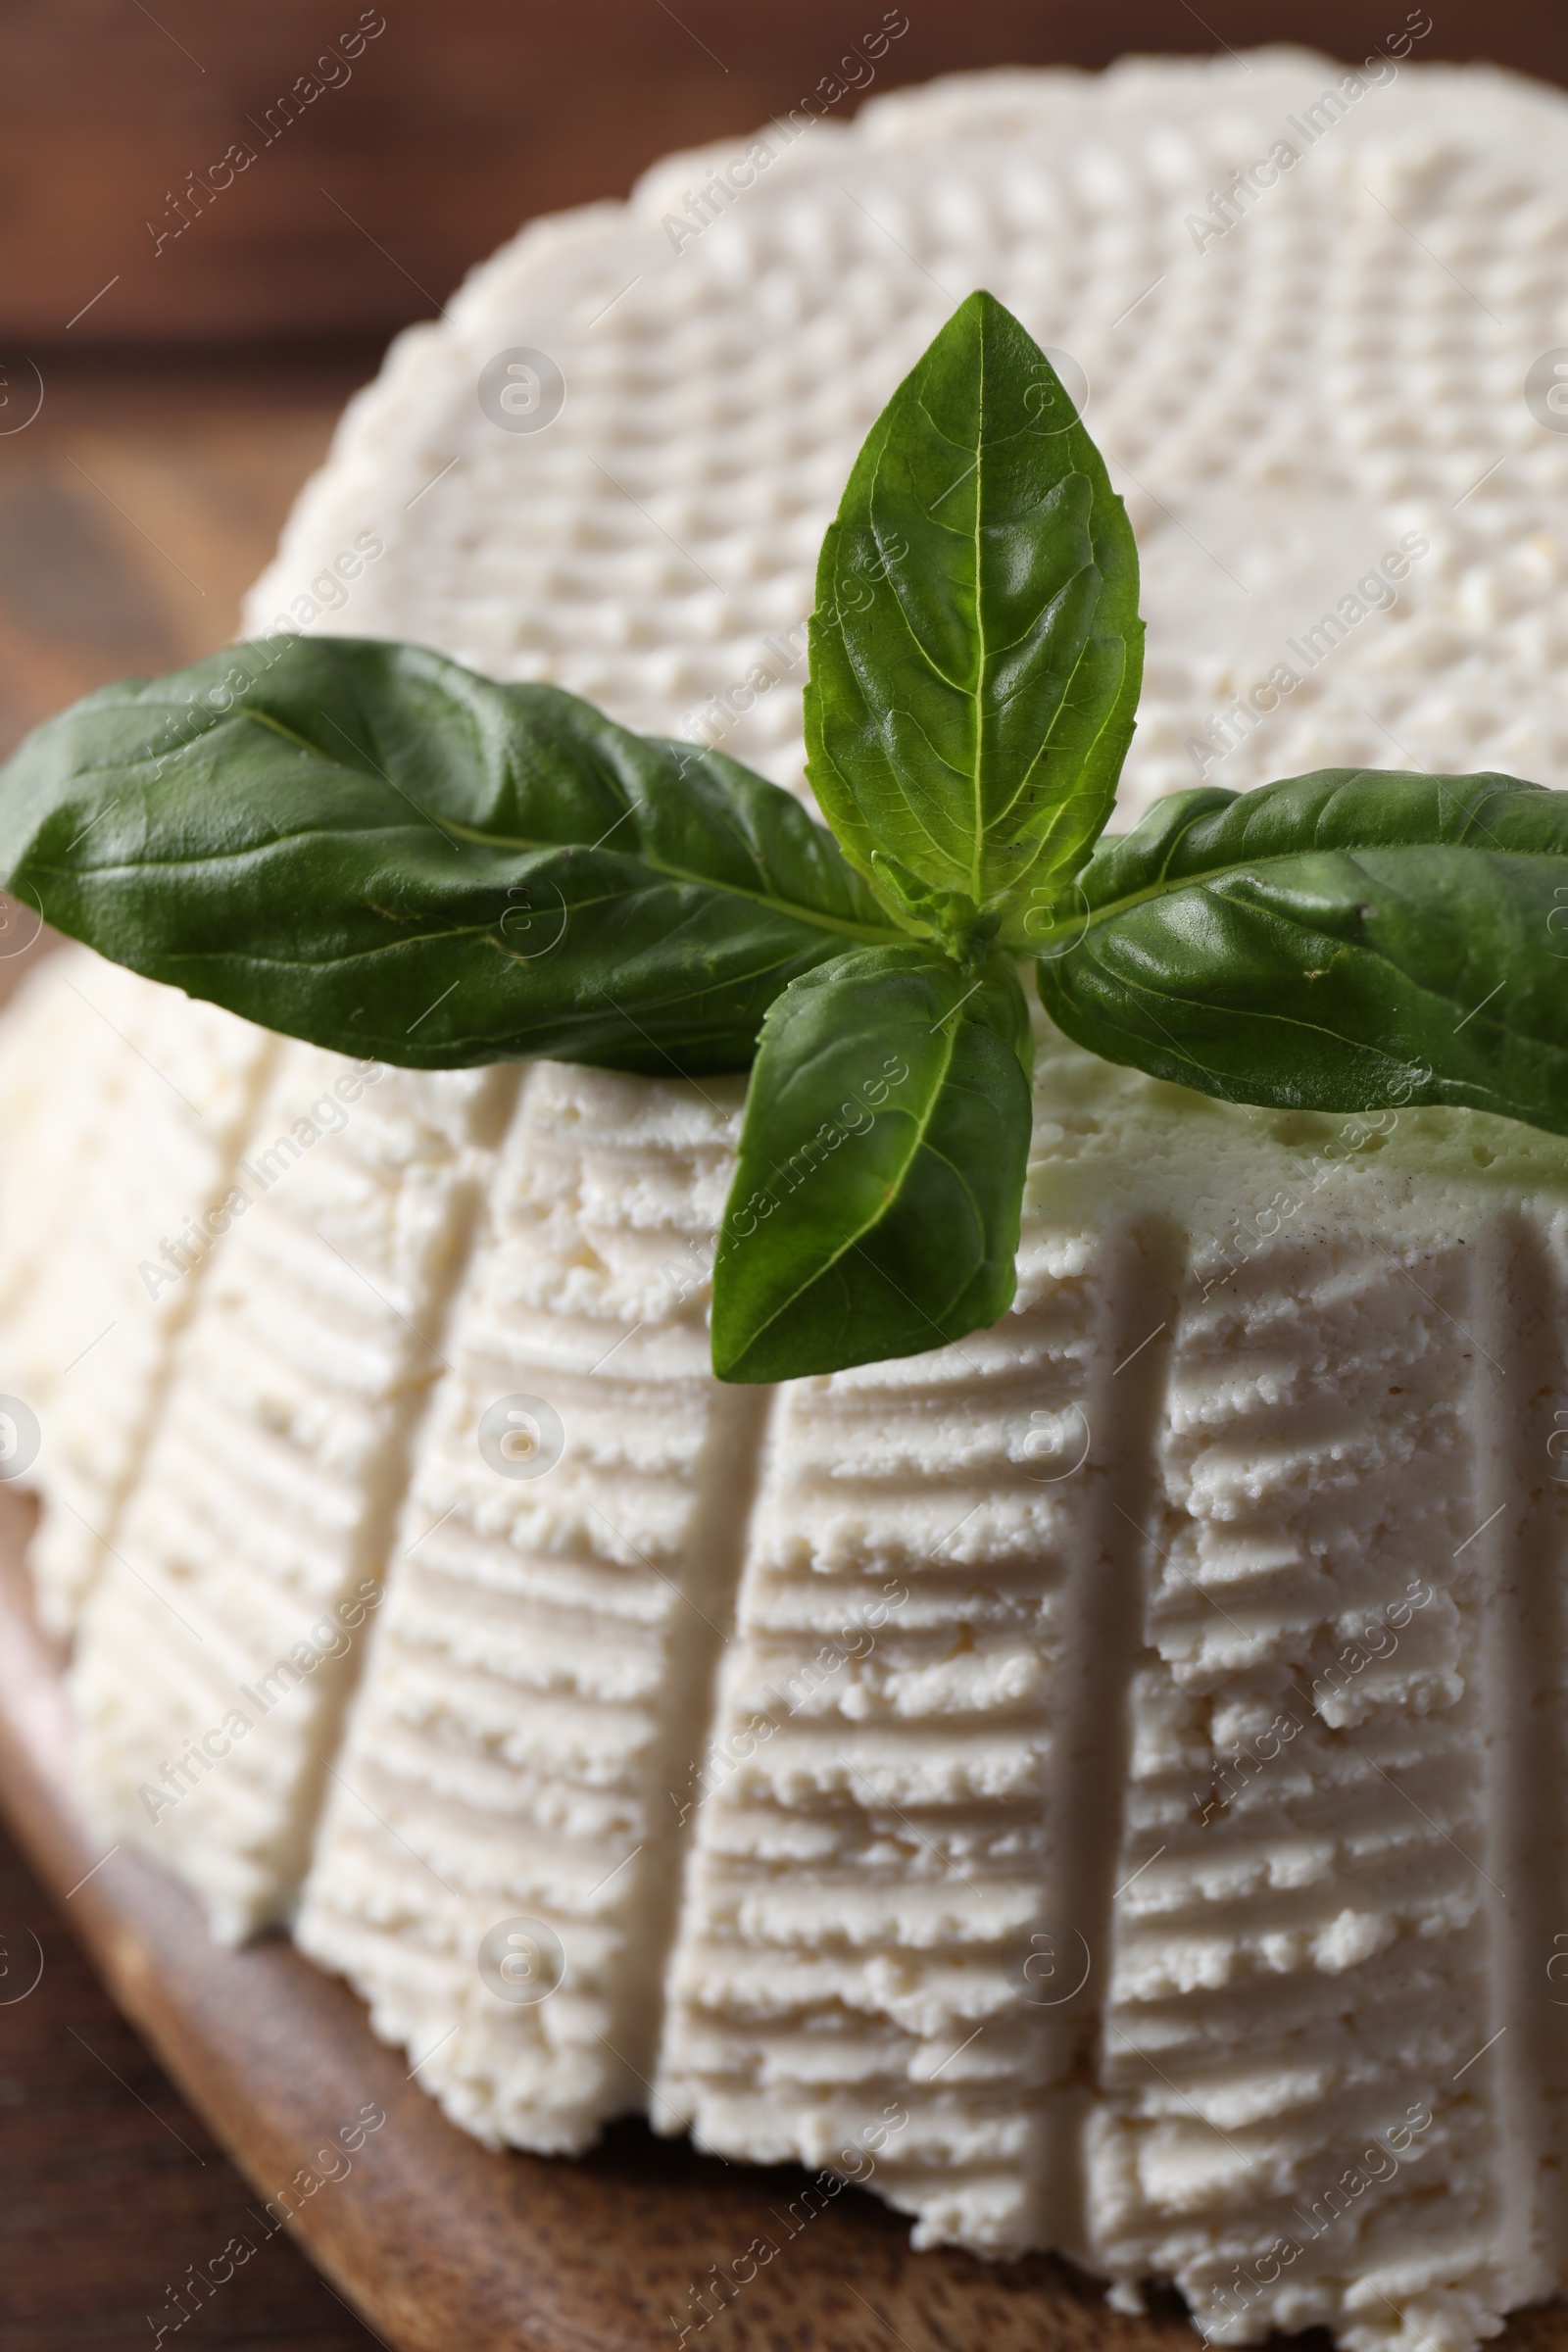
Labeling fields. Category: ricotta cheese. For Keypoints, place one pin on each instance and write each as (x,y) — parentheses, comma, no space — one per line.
(1088,1781)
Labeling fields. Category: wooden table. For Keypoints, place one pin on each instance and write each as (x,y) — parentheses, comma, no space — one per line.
(140,504)
(363,206)
(109,2185)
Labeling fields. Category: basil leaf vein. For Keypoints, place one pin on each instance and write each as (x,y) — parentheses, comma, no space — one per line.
(977,652)
(369,846)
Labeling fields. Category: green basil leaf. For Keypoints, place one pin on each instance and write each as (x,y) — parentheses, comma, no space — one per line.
(1343,941)
(876,1201)
(976,651)
(371,846)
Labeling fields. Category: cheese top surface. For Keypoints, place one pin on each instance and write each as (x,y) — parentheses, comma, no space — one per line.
(1293,391)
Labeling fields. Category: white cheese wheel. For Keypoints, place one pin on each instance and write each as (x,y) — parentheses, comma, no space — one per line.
(1101,1782)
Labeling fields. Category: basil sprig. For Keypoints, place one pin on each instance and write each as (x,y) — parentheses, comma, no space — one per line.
(366,844)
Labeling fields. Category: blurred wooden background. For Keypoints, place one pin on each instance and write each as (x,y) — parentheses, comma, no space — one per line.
(463,118)
(190,383)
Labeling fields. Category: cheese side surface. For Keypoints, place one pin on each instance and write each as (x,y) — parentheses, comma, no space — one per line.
(1159,1874)
(1101,1785)
(913,1780)
(127,1107)
(217,1647)
(1085,1783)
(1327,2012)
(553,1625)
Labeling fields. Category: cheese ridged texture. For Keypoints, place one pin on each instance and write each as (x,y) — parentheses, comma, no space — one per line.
(216,1653)
(126,1108)
(549,1639)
